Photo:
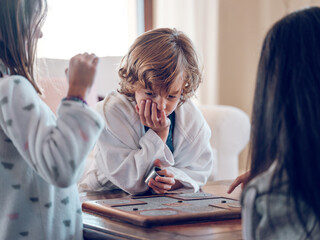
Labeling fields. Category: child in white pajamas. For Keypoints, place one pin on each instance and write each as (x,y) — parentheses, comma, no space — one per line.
(151,121)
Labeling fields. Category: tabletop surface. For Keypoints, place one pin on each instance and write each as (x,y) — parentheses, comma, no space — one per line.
(98,227)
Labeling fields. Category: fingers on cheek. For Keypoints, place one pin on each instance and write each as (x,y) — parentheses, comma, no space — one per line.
(164,117)
(141,114)
(154,108)
(147,108)
(154,115)
(163,114)
(141,107)
(173,181)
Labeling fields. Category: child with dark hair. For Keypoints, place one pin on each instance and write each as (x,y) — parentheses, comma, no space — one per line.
(282,198)
(151,121)
(41,156)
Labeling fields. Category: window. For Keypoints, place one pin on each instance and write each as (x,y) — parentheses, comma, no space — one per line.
(104,27)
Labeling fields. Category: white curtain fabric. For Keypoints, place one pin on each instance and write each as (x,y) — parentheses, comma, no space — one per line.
(198,20)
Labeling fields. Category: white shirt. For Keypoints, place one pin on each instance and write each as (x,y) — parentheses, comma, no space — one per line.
(125,153)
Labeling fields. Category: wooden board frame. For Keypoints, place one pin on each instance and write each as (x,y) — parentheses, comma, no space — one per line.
(168,213)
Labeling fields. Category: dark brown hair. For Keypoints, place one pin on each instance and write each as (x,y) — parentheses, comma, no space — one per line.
(286,112)
(21,22)
(156,59)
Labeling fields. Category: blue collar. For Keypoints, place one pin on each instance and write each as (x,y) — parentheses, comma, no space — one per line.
(169,141)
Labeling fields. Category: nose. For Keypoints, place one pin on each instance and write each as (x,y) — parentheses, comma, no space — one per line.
(161,103)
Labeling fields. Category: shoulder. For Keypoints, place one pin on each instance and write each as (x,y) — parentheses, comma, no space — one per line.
(190,120)
(17,90)
(267,190)
(188,111)
(115,102)
(254,203)
(263,206)
(14,82)
(262,182)
(116,106)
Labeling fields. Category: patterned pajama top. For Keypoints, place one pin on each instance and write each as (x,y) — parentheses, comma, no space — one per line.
(41,158)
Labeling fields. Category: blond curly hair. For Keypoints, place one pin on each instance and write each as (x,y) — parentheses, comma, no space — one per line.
(156,59)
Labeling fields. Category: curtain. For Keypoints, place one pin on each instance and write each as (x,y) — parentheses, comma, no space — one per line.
(199,21)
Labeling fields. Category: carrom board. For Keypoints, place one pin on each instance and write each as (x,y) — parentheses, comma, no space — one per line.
(153,210)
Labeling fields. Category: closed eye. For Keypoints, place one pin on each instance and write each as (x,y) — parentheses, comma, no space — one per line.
(149,94)
(172,96)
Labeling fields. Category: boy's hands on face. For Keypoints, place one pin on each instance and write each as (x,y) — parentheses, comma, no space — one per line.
(163,184)
(153,118)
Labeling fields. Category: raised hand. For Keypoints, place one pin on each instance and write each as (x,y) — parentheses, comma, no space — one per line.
(81,74)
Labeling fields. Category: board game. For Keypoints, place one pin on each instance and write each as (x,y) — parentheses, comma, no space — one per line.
(153,210)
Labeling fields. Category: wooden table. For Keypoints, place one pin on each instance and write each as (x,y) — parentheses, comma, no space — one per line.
(98,227)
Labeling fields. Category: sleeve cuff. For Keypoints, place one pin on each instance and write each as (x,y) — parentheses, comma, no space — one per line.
(162,149)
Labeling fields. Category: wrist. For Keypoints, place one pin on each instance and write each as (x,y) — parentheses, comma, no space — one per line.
(78,92)
(75,98)
(163,134)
